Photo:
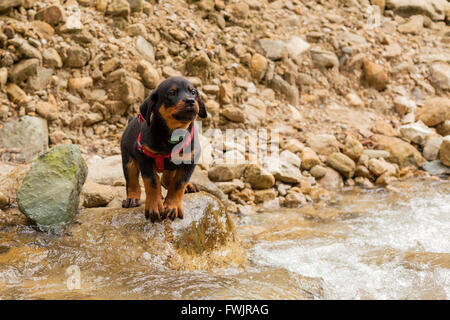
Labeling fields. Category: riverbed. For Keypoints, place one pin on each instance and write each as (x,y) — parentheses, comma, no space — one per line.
(364,244)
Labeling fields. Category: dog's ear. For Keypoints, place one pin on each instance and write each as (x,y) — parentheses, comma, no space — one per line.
(148,105)
(201,108)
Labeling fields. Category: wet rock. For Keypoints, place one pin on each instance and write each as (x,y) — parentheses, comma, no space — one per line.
(120,8)
(323,59)
(416,132)
(436,168)
(265,195)
(434,112)
(273,49)
(96,195)
(375,75)
(258,66)
(400,151)
(353,148)
(258,177)
(342,164)
(106,171)
(324,144)
(149,75)
(440,75)
(23,70)
(50,192)
(27,134)
(145,49)
(431,148)
(444,151)
(294,200)
(332,180)
(205,239)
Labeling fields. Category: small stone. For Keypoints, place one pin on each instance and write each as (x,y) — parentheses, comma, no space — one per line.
(258,177)
(376,153)
(400,151)
(96,195)
(324,144)
(258,66)
(47,110)
(294,200)
(444,128)
(76,57)
(318,171)
(149,75)
(234,114)
(353,148)
(324,59)
(265,195)
(436,168)
(23,70)
(385,128)
(274,49)
(416,132)
(118,8)
(132,91)
(145,49)
(52,58)
(15,93)
(440,75)
(332,180)
(342,163)
(354,100)
(431,148)
(309,159)
(6,4)
(296,46)
(137,29)
(80,83)
(413,26)
(3,77)
(52,14)
(434,112)
(375,75)
(403,105)
(379,167)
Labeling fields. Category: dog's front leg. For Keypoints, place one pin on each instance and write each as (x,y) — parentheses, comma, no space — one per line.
(177,186)
(154,208)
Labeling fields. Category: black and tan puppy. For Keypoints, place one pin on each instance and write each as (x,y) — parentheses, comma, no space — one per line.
(148,146)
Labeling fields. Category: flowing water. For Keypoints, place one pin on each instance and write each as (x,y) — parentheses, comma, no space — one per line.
(376,244)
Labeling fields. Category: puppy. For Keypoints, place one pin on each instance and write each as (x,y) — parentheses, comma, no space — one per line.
(148,147)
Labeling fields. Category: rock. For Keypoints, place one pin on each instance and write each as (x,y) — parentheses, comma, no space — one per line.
(52,58)
(201,180)
(198,64)
(6,4)
(132,91)
(26,49)
(309,159)
(274,49)
(53,14)
(375,75)
(434,112)
(318,171)
(403,105)
(15,93)
(265,195)
(230,186)
(324,144)
(137,29)
(354,100)
(444,128)
(136,5)
(23,70)
(286,168)
(385,128)
(50,192)
(145,49)
(258,66)
(413,26)
(27,134)
(3,77)
(76,57)
(440,75)
(258,177)
(444,151)
(323,59)
(294,200)
(96,195)
(379,167)
(80,83)
(436,168)
(376,153)
(296,46)
(106,171)
(119,8)
(342,164)
(416,132)
(221,172)
(204,240)
(4,201)
(234,114)
(353,148)
(289,91)
(435,9)
(47,110)
(431,148)
(332,180)
(149,75)
(400,151)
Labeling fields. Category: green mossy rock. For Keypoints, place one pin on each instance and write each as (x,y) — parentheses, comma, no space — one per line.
(50,192)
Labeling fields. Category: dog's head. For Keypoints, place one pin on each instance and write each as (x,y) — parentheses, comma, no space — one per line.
(176,101)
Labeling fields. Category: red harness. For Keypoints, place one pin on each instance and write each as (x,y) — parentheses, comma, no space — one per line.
(159,159)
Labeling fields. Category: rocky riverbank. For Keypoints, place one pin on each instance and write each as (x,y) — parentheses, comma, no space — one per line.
(358,90)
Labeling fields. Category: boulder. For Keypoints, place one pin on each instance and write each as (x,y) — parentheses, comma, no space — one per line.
(28,134)
(400,151)
(50,192)
(205,239)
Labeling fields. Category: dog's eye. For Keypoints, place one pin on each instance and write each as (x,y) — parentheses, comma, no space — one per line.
(194,91)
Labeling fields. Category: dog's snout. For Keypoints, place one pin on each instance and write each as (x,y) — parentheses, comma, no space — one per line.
(189,102)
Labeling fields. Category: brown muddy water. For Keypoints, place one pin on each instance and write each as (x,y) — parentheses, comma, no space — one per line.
(376,244)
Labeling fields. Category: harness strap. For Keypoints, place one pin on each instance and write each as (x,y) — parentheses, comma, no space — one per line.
(159,159)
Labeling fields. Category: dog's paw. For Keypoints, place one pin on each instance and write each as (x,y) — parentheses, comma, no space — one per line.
(155,212)
(191,188)
(172,210)
(130,203)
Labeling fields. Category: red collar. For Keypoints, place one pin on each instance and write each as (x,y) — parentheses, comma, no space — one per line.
(159,159)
